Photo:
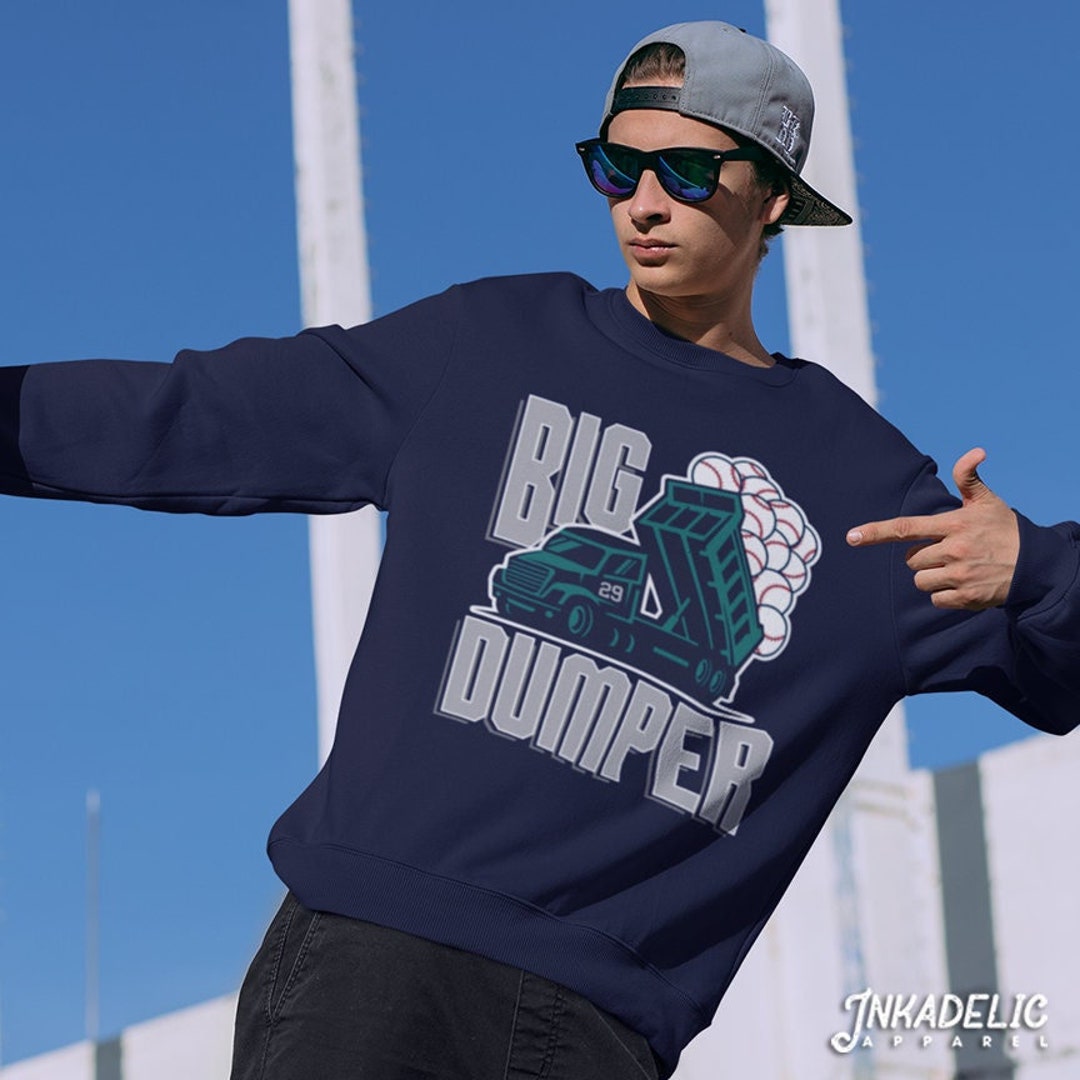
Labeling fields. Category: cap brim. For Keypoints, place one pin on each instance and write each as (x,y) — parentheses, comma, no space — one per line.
(807,207)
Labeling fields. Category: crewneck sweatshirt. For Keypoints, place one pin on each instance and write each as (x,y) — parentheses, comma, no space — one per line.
(619,662)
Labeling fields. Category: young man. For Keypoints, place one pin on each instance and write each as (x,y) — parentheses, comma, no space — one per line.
(625,650)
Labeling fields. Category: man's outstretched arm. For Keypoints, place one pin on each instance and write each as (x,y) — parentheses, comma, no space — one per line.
(310,423)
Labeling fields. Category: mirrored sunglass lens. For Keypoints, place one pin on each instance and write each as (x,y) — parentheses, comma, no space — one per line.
(611,171)
(689,176)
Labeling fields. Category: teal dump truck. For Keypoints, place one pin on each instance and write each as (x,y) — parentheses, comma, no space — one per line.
(678,604)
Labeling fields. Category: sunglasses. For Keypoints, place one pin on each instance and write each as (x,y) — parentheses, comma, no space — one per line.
(686,173)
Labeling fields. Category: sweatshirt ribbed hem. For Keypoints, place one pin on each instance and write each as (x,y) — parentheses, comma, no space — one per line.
(510,931)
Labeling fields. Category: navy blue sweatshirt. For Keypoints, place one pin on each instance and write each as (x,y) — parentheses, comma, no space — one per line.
(619,663)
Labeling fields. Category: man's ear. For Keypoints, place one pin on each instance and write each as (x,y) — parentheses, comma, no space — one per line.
(775,204)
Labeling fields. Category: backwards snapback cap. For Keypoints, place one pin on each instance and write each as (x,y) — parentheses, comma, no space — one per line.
(737,81)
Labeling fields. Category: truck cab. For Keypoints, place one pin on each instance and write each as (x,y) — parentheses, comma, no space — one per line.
(573,582)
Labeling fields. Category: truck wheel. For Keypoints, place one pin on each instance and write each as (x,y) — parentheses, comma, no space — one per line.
(579,618)
(702,672)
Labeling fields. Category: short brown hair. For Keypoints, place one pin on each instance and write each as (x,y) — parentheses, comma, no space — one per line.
(661,61)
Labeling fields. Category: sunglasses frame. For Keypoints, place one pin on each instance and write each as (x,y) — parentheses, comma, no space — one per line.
(651,160)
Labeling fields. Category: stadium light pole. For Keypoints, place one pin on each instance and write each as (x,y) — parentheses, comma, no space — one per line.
(335,288)
(828,312)
(861,907)
(826,284)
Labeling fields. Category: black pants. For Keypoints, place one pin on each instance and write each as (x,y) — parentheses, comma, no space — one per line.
(331,998)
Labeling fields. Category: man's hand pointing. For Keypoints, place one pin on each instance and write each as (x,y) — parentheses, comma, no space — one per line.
(963,558)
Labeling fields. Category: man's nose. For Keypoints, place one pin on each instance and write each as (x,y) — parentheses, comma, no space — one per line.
(650,202)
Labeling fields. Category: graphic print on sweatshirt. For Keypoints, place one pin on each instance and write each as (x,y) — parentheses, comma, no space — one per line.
(615,628)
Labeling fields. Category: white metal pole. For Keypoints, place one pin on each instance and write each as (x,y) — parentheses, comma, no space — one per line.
(826,285)
(93,913)
(828,314)
(855,910)
(335,288)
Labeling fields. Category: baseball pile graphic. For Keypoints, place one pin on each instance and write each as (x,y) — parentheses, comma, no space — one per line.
(780,543)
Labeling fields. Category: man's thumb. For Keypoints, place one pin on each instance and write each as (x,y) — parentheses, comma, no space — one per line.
(965,475)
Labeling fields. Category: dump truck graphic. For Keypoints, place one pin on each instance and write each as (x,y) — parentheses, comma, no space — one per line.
(676,603)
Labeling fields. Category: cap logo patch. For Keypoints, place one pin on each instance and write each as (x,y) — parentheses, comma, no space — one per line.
(788,134)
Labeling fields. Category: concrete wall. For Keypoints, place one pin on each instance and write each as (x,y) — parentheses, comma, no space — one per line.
(192,1044)
(1031,806)
(962,881)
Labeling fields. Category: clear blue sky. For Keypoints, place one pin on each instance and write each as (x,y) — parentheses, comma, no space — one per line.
(148,205)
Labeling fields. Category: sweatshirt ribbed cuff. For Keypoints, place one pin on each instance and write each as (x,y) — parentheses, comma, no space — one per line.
(14,479)
(1048,564)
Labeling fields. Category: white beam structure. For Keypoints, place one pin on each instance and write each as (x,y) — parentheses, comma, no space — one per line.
(335,288)
(826,286)
(862,910)
(828,314)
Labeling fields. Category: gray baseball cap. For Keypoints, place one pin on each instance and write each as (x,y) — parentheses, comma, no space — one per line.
(739,82)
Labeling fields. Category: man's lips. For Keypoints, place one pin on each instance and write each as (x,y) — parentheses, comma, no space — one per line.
(650,252)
